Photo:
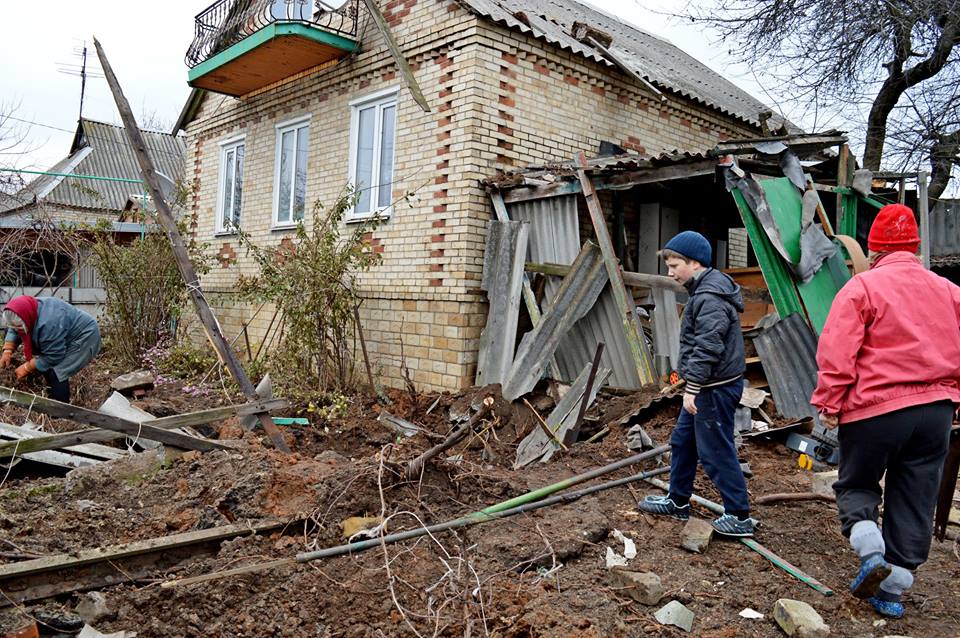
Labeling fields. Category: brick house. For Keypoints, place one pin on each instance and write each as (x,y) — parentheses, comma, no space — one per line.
(287,109)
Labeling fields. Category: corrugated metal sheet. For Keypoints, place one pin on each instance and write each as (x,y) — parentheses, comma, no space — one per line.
(503,280)
(945,231)
(555,239)
(111,156)
(578,294)
(788,352)
(653,58)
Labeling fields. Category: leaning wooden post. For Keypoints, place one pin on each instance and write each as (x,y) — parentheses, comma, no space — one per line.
(189,273)
(631,324)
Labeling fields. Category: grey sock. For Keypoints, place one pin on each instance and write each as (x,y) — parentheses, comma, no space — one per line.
(866,539)
(899,581)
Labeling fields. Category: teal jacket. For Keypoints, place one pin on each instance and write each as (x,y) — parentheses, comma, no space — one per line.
(64,338)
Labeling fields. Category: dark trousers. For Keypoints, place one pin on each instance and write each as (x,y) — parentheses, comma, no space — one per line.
(910,445)
(59,390)
(707,437)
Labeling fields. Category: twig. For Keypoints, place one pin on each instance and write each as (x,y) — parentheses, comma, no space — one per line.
(546,428)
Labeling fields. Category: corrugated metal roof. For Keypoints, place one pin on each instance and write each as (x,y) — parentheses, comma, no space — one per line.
(663,64)
(102,150)
(788,352)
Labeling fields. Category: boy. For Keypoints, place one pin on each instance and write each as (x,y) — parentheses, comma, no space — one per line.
(712,363)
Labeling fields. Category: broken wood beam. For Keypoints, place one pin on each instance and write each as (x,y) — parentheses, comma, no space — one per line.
(70,439)
(60,410)
(105,566)
(574,432)
(416,466)
(150,177)
(402,65)
(636,279)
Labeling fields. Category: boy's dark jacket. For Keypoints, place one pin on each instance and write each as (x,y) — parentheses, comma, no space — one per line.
(711,343)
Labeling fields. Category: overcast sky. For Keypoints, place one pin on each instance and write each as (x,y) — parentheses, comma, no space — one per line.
(146,49)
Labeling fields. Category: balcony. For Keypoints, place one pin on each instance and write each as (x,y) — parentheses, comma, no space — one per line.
(240,46)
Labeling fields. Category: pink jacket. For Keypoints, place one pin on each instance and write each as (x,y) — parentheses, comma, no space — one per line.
(891,341)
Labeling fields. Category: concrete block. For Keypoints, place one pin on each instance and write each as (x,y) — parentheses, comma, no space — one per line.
(643,587)
(696,535)
(799,620)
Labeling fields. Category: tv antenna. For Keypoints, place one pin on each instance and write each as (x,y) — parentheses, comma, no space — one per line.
(80,70)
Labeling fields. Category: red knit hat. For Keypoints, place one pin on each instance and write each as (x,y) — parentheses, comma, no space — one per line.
(895,228)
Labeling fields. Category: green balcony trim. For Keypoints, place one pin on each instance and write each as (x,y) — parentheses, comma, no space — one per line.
(266,34)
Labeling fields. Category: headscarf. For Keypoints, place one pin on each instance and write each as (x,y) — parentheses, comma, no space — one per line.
(24,307)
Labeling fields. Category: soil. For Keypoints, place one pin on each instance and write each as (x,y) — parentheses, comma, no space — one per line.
(536,574)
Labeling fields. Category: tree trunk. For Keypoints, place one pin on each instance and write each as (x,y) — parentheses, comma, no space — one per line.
(943,157)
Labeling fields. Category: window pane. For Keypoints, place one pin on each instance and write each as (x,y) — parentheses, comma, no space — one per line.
(384,193)
(286,175)
(238,186)
(300,188)
(365,140)
(227,189)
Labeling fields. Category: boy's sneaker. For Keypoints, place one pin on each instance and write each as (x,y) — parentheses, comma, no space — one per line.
(664,506)
(888,608)
(873,570)
(730,525)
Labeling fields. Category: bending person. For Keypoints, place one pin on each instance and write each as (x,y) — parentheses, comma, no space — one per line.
(58,340)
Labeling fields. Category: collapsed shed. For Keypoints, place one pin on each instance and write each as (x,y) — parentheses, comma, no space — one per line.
(783,215)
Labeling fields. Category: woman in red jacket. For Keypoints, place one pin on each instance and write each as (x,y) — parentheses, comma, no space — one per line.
(889,360)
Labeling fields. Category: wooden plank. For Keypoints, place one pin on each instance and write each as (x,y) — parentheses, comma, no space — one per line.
(619,181)
(631,324)
(94,568)
(71,439)
(923,210)
(100,452)
(189,273)
(92,417)
(637,279)
(398,57)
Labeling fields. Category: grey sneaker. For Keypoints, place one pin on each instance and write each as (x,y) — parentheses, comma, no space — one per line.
(730,525)
(664,506)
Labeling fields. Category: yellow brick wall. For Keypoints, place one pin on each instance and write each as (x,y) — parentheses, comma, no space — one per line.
(499,99)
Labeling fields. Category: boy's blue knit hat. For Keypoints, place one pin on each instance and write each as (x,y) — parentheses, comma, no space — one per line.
(692,245)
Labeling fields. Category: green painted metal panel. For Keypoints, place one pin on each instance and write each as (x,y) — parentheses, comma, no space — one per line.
(266,34)
(818,293)
(848,216)
(779,281)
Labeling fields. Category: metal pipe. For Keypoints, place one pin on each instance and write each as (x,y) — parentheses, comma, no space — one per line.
(78,176)
(483,516)
(716,508)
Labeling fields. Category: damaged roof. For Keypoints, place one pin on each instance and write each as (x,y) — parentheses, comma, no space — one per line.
(661,63)
(102,150)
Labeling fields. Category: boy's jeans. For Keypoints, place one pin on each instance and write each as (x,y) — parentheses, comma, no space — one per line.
(708,437)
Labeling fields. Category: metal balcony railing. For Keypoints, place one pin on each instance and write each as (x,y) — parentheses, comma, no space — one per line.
(227,22)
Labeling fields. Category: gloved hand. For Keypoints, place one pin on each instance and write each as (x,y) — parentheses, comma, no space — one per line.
(7,356)
(26,370)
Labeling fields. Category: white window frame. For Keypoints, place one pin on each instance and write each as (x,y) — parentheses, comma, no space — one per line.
(281,128)
(231,143)
(380,99)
